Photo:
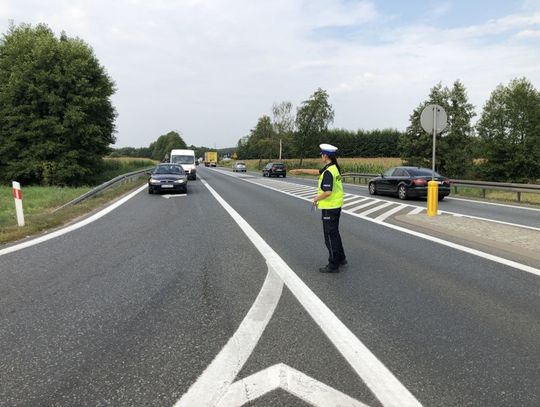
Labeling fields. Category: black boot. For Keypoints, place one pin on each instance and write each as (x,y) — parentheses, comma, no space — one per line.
(329,268)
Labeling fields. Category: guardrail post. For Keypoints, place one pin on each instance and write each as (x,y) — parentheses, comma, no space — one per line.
(483,192)
(519,196)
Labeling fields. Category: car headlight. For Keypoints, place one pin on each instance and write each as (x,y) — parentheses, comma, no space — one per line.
(179,181)
(154,181)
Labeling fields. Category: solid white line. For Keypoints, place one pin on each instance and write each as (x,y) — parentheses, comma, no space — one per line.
(492,203)
(390,212)
(384,385)
(218,376)
(73,227)
(377,208)
(456,246)
(501,222)
(291,380)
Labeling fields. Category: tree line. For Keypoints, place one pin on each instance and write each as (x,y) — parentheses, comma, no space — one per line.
(504,145)
(57,122)
(160,149)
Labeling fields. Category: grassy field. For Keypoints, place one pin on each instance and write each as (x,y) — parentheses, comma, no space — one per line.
(502,196)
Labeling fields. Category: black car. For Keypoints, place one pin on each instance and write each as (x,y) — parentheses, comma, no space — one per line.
(274,169)
(408,182)
(167,177)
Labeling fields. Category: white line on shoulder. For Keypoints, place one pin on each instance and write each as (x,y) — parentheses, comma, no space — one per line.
(71,228)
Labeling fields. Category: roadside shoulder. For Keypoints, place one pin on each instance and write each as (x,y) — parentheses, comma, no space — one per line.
(518,242)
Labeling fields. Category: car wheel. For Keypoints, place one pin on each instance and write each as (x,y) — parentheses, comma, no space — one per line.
(150,191)
(441,197)
(402,192)
(372,188)
(284,176)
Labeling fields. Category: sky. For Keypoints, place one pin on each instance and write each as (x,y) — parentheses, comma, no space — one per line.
(209,69)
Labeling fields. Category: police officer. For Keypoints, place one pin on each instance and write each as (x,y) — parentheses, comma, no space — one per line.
(330,199)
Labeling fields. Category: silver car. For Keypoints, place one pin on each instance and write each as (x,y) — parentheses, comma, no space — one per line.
(239,166)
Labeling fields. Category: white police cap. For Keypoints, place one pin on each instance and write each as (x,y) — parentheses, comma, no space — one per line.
(328,149)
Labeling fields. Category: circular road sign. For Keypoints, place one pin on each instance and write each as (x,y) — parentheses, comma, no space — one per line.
(427,119)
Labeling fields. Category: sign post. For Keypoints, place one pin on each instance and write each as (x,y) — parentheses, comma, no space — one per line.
(17,195)
(433,120)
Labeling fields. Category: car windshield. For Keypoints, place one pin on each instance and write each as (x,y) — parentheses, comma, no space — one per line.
(421,172)
(389,172)
(168,169)
(240,164)
(278,165)
(183,159)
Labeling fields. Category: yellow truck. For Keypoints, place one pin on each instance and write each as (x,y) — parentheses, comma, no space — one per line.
(210,159)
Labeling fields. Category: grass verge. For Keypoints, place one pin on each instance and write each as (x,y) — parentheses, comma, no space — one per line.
(495,195)
(40,202)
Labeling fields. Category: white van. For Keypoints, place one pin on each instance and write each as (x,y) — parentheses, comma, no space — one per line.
(186,158)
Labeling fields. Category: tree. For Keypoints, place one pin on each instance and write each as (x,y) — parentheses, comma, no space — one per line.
(56,117)
(161,148)
(454,145)
(312,120)
(283,124)
(509,130)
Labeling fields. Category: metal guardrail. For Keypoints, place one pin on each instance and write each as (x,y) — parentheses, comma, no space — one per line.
(106,185)
(455,183)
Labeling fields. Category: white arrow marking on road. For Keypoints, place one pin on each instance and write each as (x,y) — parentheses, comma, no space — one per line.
(281,376)
(218,377)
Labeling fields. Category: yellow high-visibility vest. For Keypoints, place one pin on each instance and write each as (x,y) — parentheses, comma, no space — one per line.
(335,200)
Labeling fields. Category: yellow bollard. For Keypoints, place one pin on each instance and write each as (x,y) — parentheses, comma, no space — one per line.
(433,198)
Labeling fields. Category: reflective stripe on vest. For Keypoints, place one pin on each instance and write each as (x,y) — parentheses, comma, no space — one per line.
(335,200)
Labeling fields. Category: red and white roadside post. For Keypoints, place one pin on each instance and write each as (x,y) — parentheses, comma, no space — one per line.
(17,195)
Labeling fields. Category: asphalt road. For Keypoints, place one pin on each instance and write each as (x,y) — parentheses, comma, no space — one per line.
(133,308)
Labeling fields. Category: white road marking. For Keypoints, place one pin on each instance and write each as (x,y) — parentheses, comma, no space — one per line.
(491,220)
(377,208)
(456,246)
(73,227)
(354,202)
(167,196)
(371,202)
(390,212)
(416,211)
(306,194)
(384,385)
(218,376)
(281,376)
(493,203)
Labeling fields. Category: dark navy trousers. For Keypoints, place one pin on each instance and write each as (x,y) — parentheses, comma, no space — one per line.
(332,238)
